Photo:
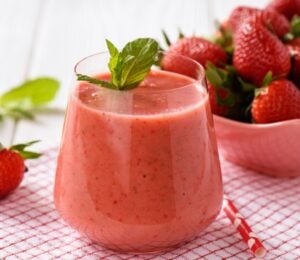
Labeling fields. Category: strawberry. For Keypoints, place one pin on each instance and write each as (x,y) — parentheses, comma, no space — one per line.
(270,18)
(278,101)
(196,48)
(288,8)
(258,51)
(294,48)
(12,169)
(12,166)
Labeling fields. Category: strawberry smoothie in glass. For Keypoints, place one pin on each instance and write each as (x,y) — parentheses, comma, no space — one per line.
(138,170)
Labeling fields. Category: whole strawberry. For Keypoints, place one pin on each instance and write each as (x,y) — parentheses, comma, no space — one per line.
(288,8)
(278,101)
(271,19)
(258,51)
(196,48)
(294,48)
(12,166)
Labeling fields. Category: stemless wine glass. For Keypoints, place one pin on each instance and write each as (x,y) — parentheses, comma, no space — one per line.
(138,170)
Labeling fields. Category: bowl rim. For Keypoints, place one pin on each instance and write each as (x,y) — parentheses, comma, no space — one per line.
(257,126)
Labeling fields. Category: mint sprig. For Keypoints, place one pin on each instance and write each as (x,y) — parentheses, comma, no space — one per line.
(128,67)
(21,100)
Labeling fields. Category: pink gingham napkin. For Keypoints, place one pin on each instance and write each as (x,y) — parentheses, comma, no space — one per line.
(30,228)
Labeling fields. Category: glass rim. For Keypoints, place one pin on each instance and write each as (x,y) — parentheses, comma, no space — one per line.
(198,80)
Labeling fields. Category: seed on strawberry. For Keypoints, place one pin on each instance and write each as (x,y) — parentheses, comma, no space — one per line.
(258,51)
(271,19)
(288,8)
(196,48)
(278,101)
(294,48)
(12,166)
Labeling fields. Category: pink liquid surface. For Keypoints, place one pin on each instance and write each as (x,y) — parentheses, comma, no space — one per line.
(139,170)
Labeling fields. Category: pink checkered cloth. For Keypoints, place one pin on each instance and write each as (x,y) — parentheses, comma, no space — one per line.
(31,228)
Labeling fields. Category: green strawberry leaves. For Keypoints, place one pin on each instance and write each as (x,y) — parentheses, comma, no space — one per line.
(130,66)
(222,81)
(19,101)
(295,26)
(21,149)
(295,29)
(225,39)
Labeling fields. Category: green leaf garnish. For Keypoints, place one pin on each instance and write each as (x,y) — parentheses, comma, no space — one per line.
(19,101)
(21,149)
(95,81)
(130,66)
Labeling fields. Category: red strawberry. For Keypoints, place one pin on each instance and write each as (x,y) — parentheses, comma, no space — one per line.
(270,18)
(258,51)
(196,48)
(294,48)
(288,8)
(278,101)
(12,167)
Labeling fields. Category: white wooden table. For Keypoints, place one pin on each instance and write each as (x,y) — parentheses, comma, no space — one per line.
(47,37)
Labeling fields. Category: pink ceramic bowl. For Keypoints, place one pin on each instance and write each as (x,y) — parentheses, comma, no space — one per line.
(272,149)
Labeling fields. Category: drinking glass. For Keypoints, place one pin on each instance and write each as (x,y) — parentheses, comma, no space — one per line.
(138,170)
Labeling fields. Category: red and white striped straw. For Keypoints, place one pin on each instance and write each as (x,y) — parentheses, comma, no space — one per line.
(244,229)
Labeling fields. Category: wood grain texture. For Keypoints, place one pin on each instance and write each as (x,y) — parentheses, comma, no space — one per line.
(17,29)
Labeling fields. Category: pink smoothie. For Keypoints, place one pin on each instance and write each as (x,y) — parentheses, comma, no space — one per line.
(138,170)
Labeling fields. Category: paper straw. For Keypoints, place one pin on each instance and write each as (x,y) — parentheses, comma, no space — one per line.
(243,228)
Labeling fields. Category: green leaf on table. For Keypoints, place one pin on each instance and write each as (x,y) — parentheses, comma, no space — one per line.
(130,66)
(19,101)
(33,93)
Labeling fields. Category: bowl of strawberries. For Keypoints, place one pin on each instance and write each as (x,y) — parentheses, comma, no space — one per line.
(252,65)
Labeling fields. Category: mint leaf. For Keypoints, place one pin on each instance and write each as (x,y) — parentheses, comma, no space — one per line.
(130,66)
(95,81)
(113,51)
(30,94)
(18,113)
(136,58)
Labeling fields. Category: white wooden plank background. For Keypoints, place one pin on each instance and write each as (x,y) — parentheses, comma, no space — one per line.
(47,37)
